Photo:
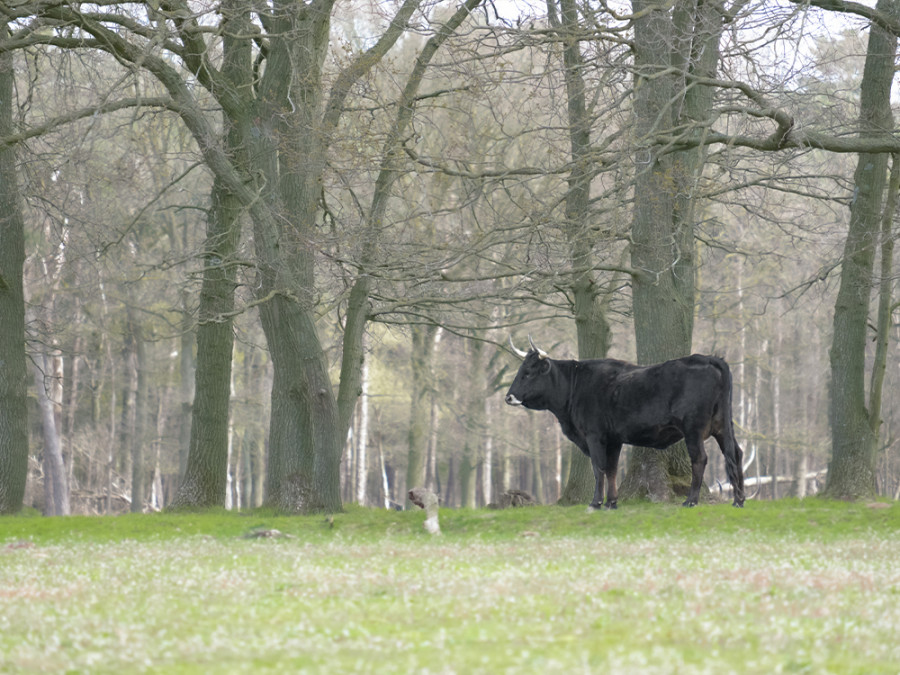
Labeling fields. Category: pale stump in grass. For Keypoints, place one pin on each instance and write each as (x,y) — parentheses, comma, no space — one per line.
(426,499)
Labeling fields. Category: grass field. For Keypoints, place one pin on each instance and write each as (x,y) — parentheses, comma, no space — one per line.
(795,587)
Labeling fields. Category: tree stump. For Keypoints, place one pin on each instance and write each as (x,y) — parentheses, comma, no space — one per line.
(514,499)
(426,499)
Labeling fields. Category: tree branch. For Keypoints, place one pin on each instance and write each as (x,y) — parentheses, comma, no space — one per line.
(75,115)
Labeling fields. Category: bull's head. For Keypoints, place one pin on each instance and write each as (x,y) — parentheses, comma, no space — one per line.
(529,388)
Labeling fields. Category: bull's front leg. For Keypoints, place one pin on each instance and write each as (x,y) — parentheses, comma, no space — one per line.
(597,501)
(597,453)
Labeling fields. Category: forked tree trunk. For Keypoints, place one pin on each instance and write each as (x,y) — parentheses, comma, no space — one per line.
(293,127)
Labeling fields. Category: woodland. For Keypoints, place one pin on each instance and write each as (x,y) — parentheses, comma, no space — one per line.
(273,252)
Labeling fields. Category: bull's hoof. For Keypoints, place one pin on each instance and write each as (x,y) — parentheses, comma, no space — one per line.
(738,505)
(612,505)
(689,504)
(594,507)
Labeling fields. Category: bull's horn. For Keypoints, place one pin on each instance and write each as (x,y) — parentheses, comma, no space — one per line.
(541,353)
(517,351)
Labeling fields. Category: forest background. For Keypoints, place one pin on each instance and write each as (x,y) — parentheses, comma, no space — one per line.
(272,252)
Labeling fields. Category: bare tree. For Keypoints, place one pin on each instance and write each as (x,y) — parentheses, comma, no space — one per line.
(854,426)
(13,373)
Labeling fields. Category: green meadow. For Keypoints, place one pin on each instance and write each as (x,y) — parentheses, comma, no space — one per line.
(789,586)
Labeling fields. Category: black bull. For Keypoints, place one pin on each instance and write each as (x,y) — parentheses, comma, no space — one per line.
(604,403)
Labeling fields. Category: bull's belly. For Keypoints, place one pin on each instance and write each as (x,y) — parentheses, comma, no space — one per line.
(659,437)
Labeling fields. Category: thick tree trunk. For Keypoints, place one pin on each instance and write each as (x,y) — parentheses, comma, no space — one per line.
(589,313)
(303,472)
(14,372)
(851,473)
(670,48)
(294,121)
(204,480)
(206,474)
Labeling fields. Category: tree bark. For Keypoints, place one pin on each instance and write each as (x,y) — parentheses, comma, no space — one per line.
(139,437)
(56,487)
(473,420)
(362,441)
(851,473)
(303,472)
(205,478)
(885,300)
(294,124)
(589,312)
(13,371)
(421,356)
(669,50)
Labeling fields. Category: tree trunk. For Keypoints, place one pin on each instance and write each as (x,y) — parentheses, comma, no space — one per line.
(362,441)
(56,488)
(851,473)
(392,159)
(139,437)
(432,476)
(487,463)
(421,354)
(590,317)
(188,372)
(204,480)
(669,50)
(292,131)
(537,477)
(303,472)
(14,372)
(205,477)
(474,393)
(885,301)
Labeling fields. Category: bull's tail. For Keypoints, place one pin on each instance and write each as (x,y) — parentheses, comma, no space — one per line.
(727,442)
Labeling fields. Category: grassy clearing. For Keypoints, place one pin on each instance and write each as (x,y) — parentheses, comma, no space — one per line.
(807,586)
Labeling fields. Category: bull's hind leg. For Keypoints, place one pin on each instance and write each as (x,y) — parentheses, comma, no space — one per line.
(612,470)
(698,466)
(598,453)
(734,458)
